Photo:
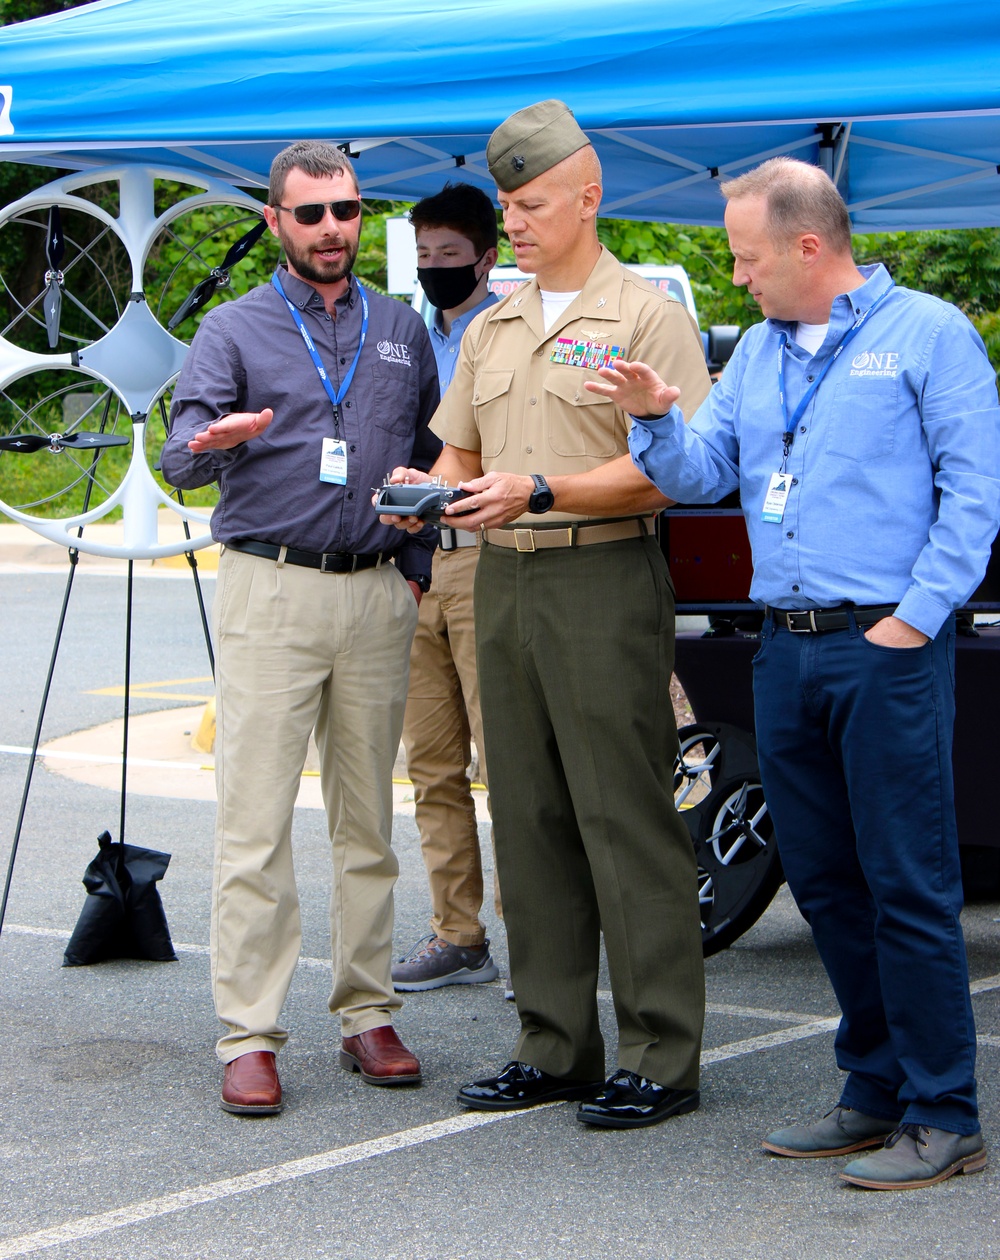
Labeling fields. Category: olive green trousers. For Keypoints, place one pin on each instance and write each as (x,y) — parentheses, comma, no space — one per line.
(575,652)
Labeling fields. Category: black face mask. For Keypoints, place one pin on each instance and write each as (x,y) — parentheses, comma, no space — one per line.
(448,287)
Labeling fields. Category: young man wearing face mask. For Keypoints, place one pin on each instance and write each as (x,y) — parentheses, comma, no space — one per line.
(456,234)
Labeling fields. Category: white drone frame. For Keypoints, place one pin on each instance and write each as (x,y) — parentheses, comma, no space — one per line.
(137,359)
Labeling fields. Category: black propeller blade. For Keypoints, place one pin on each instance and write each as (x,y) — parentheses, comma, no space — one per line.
(24,443)
(55,248)
(91,441)
(205,289)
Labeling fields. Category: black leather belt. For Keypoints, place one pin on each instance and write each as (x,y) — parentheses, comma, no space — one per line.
(816,620)
(325,561)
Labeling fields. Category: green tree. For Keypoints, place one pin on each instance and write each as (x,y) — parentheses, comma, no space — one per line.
(960,266)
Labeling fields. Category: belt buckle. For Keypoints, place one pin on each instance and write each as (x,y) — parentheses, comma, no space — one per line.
(330,555)
(811,628)
(524,535)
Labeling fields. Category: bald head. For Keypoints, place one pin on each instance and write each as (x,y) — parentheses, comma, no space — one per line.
(799,198)
(579,170)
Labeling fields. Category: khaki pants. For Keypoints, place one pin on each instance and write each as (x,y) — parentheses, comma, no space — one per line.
(442,713)
(298,649)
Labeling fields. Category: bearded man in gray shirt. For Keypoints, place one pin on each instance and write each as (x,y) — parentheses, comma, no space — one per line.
(297,399)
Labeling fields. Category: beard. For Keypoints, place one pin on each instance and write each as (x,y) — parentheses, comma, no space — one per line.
(306,264)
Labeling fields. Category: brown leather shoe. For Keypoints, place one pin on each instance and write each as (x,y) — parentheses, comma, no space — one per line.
(380,1057)
(250,1085)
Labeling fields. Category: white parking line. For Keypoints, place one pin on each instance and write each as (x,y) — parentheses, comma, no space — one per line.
(103,759)
(211,1192)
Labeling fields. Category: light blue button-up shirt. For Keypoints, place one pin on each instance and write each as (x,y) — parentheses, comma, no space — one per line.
(895,466)
(446,344)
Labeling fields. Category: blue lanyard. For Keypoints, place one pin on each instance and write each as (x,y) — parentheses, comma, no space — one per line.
(335,397)
(788,436)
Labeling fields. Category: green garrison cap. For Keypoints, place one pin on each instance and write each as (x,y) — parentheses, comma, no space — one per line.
(531,142)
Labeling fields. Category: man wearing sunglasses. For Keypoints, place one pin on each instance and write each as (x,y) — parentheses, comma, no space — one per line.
(298,398)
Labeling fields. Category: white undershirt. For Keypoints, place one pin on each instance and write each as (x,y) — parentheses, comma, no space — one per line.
(810,336)
(553,305)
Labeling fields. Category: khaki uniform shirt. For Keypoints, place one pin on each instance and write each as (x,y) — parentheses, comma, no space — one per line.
(526,413)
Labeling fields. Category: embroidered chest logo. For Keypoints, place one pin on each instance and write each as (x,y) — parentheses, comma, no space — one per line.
(868,363)
(585,354)
(393,352)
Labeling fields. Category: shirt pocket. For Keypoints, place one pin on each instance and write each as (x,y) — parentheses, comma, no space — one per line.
(491,405)
(862,418)
(578,422)
(394,389)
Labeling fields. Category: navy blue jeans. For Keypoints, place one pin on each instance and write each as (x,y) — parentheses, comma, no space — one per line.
(854,742)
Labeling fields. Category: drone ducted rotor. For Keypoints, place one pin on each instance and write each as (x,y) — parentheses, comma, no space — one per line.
(205,290)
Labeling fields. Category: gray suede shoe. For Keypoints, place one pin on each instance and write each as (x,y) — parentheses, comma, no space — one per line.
(917,1156)
(434,962)
(840,1132)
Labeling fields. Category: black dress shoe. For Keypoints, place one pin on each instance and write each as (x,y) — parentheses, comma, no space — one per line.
(521,1085)
(629,1101)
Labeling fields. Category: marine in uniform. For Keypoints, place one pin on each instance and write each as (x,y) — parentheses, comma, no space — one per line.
(575,622)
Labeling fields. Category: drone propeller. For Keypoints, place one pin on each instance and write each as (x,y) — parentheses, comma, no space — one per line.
(25,443)
(55,248)
(205,289)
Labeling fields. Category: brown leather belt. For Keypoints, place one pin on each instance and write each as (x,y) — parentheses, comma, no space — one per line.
(572,534)
(817,620)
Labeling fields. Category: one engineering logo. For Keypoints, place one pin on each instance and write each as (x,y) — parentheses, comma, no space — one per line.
(392,352)
(868,363)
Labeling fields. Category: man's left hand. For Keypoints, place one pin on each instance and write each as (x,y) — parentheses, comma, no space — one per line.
(417,592)
(891,632)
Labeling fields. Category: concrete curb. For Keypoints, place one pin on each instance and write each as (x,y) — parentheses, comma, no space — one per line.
(22,548)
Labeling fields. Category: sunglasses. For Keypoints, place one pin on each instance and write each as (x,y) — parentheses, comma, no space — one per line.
(313,211)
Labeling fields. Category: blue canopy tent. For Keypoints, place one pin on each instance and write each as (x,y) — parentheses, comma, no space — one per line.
(900,99)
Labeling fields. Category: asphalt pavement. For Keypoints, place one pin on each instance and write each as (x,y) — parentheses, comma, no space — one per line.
(112,1143)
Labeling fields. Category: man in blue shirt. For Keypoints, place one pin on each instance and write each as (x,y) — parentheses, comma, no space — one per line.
(456,232)
(860,424)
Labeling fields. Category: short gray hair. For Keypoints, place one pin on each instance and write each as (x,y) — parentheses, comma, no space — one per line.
(315,157)
(800,198)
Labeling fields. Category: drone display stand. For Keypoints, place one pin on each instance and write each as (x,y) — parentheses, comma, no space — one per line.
(88,359)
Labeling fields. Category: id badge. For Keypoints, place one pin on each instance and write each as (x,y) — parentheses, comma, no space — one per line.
(333,462)
(776,497)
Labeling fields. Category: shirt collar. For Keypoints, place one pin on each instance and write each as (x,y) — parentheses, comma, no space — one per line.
(461,322)
(302,294)
(600,297)
(848,306)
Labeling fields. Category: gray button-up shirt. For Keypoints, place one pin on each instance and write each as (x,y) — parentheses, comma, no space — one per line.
(247,355)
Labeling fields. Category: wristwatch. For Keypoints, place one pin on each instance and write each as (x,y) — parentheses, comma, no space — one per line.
(421,580)
(542,497)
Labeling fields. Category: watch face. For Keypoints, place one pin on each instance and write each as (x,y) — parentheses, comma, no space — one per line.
(541,500)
